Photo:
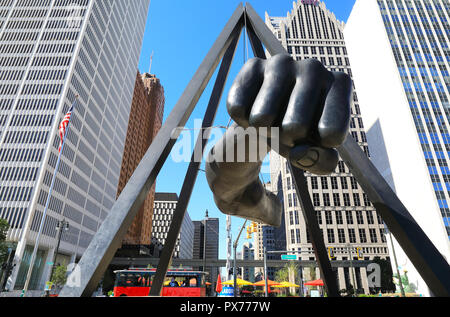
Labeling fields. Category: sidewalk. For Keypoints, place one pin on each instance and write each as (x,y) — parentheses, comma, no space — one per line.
(17,293)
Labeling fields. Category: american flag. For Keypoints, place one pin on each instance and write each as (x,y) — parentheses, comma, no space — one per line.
(63,127)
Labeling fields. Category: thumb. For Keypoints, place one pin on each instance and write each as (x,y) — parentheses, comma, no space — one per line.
(316,160)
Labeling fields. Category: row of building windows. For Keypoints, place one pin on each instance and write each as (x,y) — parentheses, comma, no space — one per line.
(343,236)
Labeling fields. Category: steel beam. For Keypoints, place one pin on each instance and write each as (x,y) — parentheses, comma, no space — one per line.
(109,237)
(425,257)
(144,262)
(262,32)
(309,213)
(192,172)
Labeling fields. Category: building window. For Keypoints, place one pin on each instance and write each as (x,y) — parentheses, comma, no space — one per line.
(373,236)
(330,233)
(359,217)
(316,200)
(328,217)
(336,199)
(324,182)
(356,199)
(326,199)
(314,184)
(370,219)
(341,235)
(362,235)
(334,184)
(319,217)
(347,202)
(349,216)
(339,219)
(352,235)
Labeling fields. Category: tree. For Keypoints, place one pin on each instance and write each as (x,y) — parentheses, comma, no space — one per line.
(59,277)
(4,227)
(282,275)
(387,283)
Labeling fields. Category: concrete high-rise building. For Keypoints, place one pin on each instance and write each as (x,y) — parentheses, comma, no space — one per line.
(146,117)
(248,253)
(51,51)
(207,249)
(271,238)
(164,208)
(401,66)
(344,212)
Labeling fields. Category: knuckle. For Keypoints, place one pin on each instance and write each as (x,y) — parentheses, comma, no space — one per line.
(261,120)
(295,130)
(312,65)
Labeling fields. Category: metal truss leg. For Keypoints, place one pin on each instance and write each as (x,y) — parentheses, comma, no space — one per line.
(427,260)
(309,213)
(193,169)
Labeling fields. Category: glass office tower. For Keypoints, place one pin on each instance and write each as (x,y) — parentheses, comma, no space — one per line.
(400,55)
(51,51)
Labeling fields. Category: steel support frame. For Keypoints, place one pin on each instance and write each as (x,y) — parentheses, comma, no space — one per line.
(433,268)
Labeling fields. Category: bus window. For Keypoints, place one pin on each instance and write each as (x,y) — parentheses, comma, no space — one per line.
(127,280)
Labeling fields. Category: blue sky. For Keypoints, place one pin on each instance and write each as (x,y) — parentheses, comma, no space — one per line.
(180,33)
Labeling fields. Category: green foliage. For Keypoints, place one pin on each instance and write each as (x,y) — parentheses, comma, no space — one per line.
(387,284)
(59,277)
(282,275)
(4,227)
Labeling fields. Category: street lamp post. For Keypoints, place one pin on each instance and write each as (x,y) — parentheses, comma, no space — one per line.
(352,271)
(61,226)
(234,263)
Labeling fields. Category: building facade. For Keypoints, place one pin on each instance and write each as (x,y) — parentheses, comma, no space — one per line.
(408,113)
(248,253)
(146,115)
(51,51)
(270,238)
(164,208)
(207,249)
(344,212)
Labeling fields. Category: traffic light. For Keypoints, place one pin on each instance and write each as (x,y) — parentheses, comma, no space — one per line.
(254,227)
(359,252)
(331,253)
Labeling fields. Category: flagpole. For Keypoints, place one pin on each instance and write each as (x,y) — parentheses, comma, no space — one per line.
(41,226)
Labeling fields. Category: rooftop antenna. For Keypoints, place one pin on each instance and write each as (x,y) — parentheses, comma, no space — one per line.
(151,62)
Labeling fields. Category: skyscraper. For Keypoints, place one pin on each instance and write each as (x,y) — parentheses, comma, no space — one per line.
(248,253)
(401,68)
(51,51)
(344,212)
(206,244)
(146,117)
(164,208)
(271,238)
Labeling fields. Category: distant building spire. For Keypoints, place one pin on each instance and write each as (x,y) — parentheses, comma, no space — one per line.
(206,215)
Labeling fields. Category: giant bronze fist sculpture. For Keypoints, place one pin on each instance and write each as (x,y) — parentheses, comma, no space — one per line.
(309,105)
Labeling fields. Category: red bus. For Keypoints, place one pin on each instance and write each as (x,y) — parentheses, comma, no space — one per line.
(137,283)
